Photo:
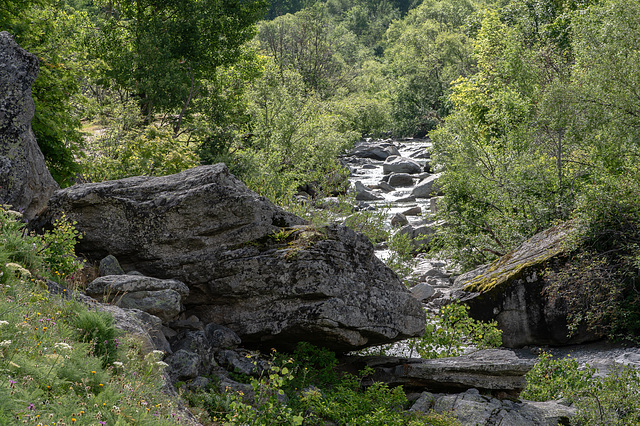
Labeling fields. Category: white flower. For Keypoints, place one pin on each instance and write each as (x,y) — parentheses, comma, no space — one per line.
(2,322)
(162,364)
(63,345)
(5,343)
(118,364)
(158,353)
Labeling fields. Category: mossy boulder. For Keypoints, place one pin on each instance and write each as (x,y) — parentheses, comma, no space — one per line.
(511,291)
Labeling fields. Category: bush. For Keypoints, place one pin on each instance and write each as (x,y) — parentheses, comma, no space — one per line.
(552,379)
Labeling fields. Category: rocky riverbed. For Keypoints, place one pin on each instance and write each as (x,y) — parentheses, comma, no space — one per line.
(387,173)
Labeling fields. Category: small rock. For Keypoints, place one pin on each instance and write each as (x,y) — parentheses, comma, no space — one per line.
(183,365)
(221,337)
(413,211)
(422,291)
(400,179)
(399,220)
(365,194)
(110,266)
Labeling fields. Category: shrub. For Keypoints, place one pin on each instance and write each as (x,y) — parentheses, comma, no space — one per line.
(557,378)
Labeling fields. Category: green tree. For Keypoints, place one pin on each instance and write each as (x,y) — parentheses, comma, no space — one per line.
(425,52)
(162,50)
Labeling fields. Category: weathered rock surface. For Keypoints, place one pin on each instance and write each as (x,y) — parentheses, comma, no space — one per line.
(511,291)
(397,164)
(323,286)
(374,150)
(246,265)
(473,409)
(365,194)
(400,179)
(162,298)
(25,181)
(426,188)
(493,370)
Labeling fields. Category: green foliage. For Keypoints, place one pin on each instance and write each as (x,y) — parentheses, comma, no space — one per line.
(125,150)
(453,331)
(610,400)
(47,373)
(315,393)
(97,329)
(162,51)
(599,281)
(552,379)
(425,52)
(59,247)
(370,223)
(266,408)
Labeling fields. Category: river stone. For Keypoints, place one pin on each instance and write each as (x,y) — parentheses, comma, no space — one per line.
(397,164)
(400,179)
(374,150)
(249,265)
(365,194)
(422,291)
(427,187)
(399,220)
(511,292)
(25,181)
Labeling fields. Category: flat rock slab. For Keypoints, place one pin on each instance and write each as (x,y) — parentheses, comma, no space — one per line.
(493,370)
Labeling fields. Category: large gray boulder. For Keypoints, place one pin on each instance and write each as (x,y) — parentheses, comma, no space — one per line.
(428,187)
(511,291)
(374,150)
(249,265)
(25,181)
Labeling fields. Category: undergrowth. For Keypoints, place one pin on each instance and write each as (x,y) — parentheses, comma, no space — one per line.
(61,364)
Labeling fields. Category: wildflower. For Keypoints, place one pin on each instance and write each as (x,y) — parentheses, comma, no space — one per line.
(5,343)
(31,407)
(4,322)
(158,353)
(162,364)
(118,364)
(93,372)
(63,345)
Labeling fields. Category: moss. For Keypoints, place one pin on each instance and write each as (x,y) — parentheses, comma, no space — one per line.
(501,272)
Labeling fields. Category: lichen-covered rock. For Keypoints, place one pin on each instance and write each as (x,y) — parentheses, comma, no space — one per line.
(323,285)
(511,291)
(25,181)
(249,265)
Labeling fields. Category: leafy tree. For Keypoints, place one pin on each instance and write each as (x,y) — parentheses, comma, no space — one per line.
(162,50)
(425,52)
